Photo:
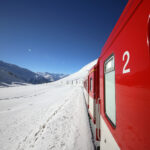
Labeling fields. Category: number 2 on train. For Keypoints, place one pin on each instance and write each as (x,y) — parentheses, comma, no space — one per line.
(125,69)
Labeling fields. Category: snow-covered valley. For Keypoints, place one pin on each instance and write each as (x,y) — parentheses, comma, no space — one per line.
(46,116)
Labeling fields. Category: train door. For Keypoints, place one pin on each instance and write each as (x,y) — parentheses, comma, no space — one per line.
(97,97)
(107,140)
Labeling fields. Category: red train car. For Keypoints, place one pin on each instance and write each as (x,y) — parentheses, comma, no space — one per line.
(125,81)
(122,87)
(92,91)
(94,107)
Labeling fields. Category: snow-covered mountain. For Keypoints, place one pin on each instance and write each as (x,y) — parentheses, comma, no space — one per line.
(80,75)
(10,74)
(52,76)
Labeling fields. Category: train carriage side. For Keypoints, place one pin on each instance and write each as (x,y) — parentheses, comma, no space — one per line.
(125,81)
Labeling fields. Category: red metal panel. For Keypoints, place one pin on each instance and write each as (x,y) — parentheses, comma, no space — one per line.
(123,20)
(92,75)
(132,88)
(97,81)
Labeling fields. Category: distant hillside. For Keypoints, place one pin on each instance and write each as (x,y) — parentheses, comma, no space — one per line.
(52,76)
(10,74)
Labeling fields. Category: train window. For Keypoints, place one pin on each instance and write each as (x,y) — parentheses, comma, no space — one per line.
(91,85)
(110,102)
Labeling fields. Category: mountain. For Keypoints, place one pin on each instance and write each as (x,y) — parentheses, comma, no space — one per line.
(52,76)
(10,73)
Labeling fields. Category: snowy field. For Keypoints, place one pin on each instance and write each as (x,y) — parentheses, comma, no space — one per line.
(49,116)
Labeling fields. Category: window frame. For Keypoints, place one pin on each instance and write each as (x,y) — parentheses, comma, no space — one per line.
(91,84)
(105,72)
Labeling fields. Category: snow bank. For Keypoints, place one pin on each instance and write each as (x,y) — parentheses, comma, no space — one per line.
(47,116)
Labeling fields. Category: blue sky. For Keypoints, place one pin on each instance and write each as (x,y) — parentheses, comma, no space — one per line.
(57,36)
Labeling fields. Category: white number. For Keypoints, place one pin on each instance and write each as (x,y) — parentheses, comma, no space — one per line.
(125,65)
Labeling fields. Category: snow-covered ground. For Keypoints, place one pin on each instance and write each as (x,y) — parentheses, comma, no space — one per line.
(49,116)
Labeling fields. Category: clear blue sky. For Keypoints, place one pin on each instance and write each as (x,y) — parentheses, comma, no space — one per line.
(57,36)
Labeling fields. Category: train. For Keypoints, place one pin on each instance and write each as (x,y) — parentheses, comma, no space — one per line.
(117,88)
